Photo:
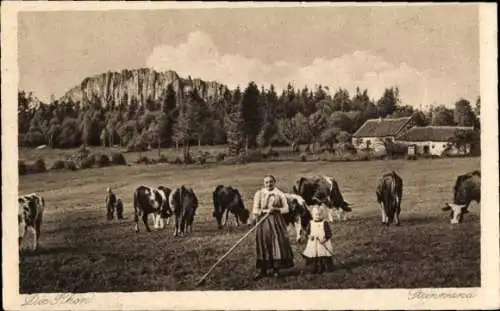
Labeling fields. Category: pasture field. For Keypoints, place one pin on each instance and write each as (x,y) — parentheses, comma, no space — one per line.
(80,251)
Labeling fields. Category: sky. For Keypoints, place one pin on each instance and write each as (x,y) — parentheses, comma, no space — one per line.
(430,52)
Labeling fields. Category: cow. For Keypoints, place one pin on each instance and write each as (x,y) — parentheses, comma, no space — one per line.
(298,215)
(467,189)
(389,194)
(113,203)
(227,200)
(322,190)
(149,200)
(29,216)
(184,203)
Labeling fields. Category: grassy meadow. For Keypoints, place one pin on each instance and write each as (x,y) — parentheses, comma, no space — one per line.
(80,251)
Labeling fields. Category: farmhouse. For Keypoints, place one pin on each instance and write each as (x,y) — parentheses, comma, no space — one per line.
(434,140)
(373,133)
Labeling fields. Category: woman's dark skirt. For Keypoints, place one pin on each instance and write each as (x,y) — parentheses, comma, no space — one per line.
(273,247)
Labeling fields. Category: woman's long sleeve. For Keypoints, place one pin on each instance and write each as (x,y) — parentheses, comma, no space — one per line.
(284,207)
(256,203)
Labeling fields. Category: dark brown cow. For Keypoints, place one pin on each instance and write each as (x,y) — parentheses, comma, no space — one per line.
(148,200)
(29,215)
(184,203)
(389,195)
(322,190)
(228,200)
(467,189)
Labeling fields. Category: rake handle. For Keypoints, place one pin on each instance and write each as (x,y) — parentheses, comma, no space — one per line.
(230,250)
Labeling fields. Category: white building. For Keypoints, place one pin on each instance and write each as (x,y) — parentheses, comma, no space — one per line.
(374,132)
(433,140)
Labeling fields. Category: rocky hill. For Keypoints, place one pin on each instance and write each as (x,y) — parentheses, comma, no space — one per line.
(142,84)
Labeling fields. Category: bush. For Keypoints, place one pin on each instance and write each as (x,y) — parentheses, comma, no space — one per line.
(162,159)
(220,157)
(117,158)
(411,157)
(58,165)
(39,166)
(143,160)
(188,159)
(252,156)
(303,157)
(102,160)
(70,165)
(363,156)
(21,167)
(177,160)
(270,153)
(87,162)
(201,158)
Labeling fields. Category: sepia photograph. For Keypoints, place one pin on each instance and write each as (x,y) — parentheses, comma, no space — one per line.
(246,148)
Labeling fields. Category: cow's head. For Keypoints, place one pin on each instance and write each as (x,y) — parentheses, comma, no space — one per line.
(457,211)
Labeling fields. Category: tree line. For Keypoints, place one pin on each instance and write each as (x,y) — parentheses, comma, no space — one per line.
(242,120)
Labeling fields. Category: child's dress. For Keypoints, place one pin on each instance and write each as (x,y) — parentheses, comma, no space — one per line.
(317,253)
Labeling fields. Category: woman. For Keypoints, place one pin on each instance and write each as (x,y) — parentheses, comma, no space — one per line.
(273,247)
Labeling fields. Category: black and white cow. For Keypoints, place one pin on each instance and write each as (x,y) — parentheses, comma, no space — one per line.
(298,215)
(30,215)
(227,200)
(467,189)
(184,203)
(323,190)
(149,200)
(389,195)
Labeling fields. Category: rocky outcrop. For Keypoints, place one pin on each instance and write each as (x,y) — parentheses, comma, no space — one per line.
(141,84)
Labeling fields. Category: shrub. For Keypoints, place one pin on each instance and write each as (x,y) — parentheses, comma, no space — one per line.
(270,153)
(21,167)
(178,160)
(188,159)
(220,157)
(162,159)
(87,162)
(39,166)
(411,157)
(143,160)
(102,160)
(252,156)
(201,158)
(363,156)
(70,165)
(117,158)
(303,157)
(58,165)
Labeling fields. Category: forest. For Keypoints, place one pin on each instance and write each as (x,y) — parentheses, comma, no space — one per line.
(242,120)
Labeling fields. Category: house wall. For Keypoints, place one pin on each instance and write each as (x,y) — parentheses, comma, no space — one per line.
(376,143)
(435,147)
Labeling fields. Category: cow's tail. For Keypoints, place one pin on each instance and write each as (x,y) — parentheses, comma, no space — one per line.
(389,197)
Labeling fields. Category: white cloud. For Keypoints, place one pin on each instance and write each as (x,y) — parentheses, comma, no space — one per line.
(201,58)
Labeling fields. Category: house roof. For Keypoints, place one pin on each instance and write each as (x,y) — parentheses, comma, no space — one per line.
(431,133)
(381,127)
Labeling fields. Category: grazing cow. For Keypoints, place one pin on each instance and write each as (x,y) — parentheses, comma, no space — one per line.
(148,200)
(467,189)
(389,195)
(29,216)
(298,215)
(184,203)
(228,199)
(112,203)
(322,190)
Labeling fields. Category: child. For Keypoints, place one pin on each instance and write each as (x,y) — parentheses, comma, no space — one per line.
(319,250)
(112,203)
